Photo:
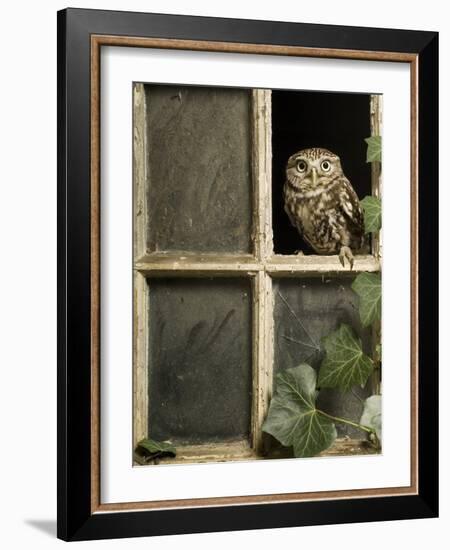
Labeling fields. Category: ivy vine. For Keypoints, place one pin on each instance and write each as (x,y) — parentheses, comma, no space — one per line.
(293,417)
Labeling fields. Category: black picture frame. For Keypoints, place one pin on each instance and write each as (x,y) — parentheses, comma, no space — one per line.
(76,520)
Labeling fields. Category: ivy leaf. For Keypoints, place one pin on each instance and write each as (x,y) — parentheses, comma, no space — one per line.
(293,418)
(368,287)
(149,449)
(371,415)
(372,214)
(345,364)
(373,148)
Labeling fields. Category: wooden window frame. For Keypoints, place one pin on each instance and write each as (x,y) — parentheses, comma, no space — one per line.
(261,266)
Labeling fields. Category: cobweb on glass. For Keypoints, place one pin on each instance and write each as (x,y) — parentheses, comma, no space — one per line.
(302,347)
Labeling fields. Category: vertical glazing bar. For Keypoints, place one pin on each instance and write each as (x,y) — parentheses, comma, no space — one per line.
(376,130)
(262,354)
(140,290)
(140,359)
(263,249)
(139,170)
(262,173)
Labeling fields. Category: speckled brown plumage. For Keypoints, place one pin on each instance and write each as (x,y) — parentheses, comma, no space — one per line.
(322,204)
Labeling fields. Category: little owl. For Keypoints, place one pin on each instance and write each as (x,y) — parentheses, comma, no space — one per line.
(322,204)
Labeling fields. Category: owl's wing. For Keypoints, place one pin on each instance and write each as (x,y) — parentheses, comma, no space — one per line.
(290,216)
(296,222)
(350,206)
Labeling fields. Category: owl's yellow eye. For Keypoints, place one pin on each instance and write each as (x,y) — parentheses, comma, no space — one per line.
(326,166)
(301,165)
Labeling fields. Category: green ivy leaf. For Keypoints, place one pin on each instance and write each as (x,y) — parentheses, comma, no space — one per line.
(371,415)
(368,288)
(372,214)
(373,148)
(345,363)
(150,449)
(293,418)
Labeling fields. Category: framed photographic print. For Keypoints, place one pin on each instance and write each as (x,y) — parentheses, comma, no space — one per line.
(247,274)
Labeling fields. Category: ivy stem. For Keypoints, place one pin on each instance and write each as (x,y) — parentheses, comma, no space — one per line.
(345,421)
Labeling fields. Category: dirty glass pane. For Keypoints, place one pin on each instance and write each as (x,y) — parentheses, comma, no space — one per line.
(306,310)
(199,169)
(200,359)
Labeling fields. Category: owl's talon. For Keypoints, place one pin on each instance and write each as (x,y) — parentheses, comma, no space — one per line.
(346,252)
(299,253)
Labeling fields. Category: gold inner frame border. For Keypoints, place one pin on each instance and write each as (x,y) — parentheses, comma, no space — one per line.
(97,41)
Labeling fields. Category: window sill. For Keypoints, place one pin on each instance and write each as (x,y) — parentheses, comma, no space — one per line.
(240,451)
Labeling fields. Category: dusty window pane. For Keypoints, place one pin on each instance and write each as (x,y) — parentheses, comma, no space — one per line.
(200,360)
(306,310)
(199,169)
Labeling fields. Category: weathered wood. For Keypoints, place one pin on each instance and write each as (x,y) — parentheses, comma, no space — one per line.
(140,368)
(262,355)
(139,170)
(217,452)
(202,264)
(346,446)
(343,446)
(277,265)
(262,172)
(376,130)
(376,102)
(238,450)
(280,265)
(262,288)
(140,294)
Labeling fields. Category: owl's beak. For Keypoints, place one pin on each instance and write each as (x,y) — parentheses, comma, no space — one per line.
(314,176)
